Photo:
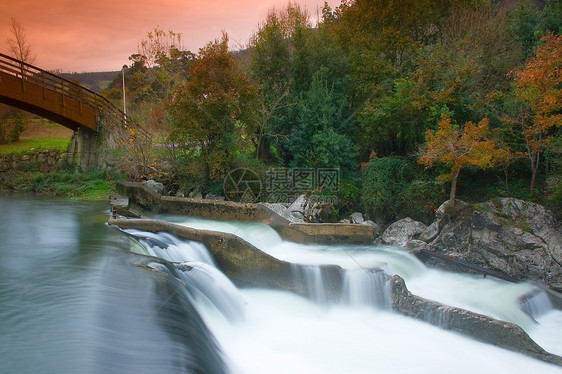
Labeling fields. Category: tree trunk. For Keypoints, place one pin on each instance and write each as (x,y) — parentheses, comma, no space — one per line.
(534,168)
(453,194)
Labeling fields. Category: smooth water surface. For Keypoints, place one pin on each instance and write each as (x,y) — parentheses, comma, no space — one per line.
(74,300)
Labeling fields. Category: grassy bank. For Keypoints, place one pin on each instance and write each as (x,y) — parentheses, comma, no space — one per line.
(23,146)
(40,134)
(82,186)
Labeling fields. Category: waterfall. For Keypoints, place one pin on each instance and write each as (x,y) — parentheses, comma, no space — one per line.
(311,278)
(367,287)
(354,287)
(439,316)
(212,285)
(74,295)
(170,248)
(333,276)
(536,304)
(194,266)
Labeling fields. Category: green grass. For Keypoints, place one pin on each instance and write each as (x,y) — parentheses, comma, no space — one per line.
(82,186)
(25,145)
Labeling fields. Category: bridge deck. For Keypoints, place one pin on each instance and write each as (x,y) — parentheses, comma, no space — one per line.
(57,106)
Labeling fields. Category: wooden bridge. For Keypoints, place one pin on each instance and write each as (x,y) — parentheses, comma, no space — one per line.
(48,95)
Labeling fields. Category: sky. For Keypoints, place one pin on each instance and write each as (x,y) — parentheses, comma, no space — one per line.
(100,35)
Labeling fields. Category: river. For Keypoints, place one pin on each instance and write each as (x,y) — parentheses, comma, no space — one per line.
(77,297)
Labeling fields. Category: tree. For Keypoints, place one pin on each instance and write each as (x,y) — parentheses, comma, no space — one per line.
(280,64)
(20,49)
(11,123)
(213,114)
(166,60)
(528,24)
(539,85)
(159,66)
(317,139)
(524,20)
(459,147)
(18,44)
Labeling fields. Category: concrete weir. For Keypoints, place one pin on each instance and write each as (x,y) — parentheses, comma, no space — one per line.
(240,261)
(143,198)
(247,266)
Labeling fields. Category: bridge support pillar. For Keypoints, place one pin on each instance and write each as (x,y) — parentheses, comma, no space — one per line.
(83,152)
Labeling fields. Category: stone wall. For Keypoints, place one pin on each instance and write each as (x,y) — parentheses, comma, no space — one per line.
(43,161)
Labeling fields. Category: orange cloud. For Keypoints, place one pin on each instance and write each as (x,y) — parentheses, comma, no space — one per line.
(100,35)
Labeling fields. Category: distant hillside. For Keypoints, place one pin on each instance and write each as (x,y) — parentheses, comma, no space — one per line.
(93,81)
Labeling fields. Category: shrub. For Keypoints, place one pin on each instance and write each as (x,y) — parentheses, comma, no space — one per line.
(393,188)
(384,180)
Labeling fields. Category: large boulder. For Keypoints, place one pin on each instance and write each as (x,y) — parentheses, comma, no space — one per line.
(283,211)
(402,231)
(357,217)
(518,238)
(500,333)
(155,186)
(310,210)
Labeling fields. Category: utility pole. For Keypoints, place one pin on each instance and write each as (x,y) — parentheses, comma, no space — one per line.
(124,105)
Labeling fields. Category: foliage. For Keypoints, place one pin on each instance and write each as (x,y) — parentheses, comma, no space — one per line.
(316,139)
(292,62)
(213,115)
(83,186)
(460,147)
(384,180)
(279,64)
(539,85)
(163,60)
(529,24)
(392,188)
(11,124)
(159,66)
(378,77)
(126,146)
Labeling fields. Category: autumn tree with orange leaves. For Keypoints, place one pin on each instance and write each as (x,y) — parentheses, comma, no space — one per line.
(458,147)
(539,84)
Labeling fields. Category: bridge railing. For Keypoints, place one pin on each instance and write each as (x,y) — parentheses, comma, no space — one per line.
(67,89)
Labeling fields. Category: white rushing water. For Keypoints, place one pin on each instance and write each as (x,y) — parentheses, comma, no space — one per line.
(284,333)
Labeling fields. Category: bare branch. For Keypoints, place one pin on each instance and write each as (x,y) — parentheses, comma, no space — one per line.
(18,43)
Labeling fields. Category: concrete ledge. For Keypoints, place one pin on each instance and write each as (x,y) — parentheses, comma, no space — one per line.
(142,197)
(244,264)
(212,209)
(329,233)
